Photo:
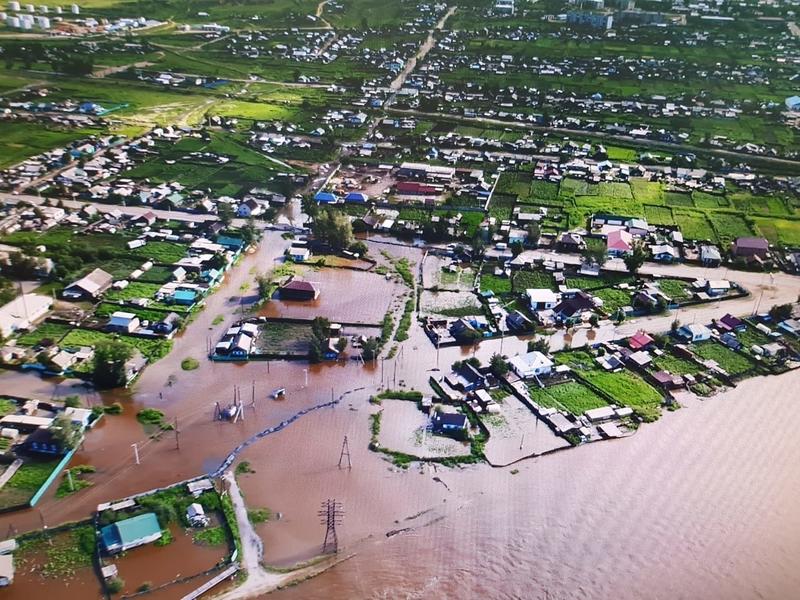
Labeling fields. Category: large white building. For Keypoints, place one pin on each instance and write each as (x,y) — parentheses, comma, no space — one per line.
(23,312)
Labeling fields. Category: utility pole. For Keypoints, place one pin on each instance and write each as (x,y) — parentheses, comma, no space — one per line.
(345,452)
(71,483)
(331,515)
(177,435)
(136,452)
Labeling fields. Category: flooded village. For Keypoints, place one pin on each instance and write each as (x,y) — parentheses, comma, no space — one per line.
(288,300)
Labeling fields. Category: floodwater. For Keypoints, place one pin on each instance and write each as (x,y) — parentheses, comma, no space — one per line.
(345,295)
(701,504)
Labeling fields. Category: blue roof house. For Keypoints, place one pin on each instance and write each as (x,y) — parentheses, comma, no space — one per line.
(184,297)
(326,197)
(130,533)
(356,197)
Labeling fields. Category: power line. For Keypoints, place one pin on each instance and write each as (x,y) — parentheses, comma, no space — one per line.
(331,514)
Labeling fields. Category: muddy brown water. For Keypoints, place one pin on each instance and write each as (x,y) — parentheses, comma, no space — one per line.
(701,504)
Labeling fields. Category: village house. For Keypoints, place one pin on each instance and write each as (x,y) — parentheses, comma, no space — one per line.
(90,287)
(531,364)
(130,533)
(23,312)
(694,332)
(123,322)
(450,424)
(750,247)
(619,242)
(296,289)
(542,298)
(569,241)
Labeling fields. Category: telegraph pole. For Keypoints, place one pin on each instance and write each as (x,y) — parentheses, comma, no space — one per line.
(345,452)
(136,452)
(177,435)
(331,514)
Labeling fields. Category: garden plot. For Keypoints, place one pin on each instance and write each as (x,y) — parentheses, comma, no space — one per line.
(450,304)
(403,430)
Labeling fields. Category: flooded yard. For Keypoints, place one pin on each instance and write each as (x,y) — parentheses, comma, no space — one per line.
(344,296)
(403,429)
(516,433)
(453,304)
(152,566)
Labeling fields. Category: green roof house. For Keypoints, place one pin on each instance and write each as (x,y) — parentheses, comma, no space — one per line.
(129,533)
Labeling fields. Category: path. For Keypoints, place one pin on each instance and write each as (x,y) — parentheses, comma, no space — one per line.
(318,13)
(426,47)
(104,72)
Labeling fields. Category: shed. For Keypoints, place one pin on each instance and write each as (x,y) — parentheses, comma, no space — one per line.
(130,533)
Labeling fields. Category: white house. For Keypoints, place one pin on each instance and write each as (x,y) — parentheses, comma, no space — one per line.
(123,321)
(694,332)
(542,298)
(299,254)
(531,364)
(23,312)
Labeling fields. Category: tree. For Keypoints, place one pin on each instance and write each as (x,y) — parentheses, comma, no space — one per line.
(539,345)
(320,329)
(516,248)
(359,248)
(498,365)
(110,358)
(635,258)
(249,232)
(781,312)
(66,433)
(264,284)
(333,228)
(595,252)
(225,213)
(534,232)
(72,401)
(370,348)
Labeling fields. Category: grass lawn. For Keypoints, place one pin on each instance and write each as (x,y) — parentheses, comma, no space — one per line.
(571,396)
(525,280)
(677,289)
(134,290)
(675,365)
(284,338)
(153,349)
(734,364)
(613,299)
(25,482)
(46,331)
(498,285)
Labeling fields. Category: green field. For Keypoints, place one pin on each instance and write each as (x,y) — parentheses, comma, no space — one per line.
(571,396)
(734,364)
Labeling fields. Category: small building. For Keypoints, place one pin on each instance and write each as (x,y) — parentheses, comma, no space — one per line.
(569,241)
(168,324)
(664,253)
(184,297)
(750,247)
(619,242)
(130,533)
(42,441)
(324,197)
(710,256)
(90,287)
(542,298)
(299,290)
(196,515)
(299,253)
(639,341)
(531,364)
(450,424)
(718,287)
(6,570)
(731,323)
(694,332)
(123,322)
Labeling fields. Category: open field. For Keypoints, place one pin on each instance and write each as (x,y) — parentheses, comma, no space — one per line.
(571,396)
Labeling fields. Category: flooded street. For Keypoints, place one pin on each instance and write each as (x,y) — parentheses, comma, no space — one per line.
(701,504)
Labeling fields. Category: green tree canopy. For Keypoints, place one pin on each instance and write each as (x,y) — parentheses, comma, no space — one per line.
(110,357)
